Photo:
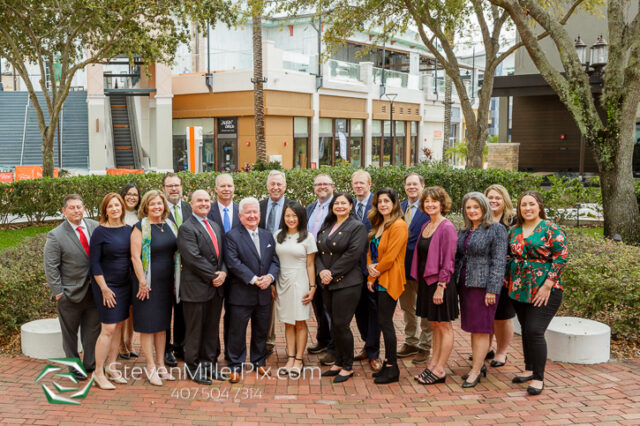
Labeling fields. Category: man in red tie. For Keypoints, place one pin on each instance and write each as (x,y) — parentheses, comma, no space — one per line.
(66,266)
(201,246)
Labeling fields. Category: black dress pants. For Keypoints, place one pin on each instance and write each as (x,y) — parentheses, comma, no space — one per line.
(323,332)
(367,322)
(178,330)
(239,316)
(201,343)
(534,322)
(386,309)
(341,305)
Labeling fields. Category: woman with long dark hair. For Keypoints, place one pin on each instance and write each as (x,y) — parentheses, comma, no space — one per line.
(537,256)
(295,286)
(385,263)
(341,241)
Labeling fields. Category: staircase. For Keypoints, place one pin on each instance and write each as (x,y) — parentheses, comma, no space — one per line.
(124,140)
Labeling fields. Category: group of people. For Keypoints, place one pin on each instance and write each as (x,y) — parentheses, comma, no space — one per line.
(154,257)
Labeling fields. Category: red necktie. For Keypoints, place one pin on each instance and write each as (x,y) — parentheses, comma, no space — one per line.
(213,237)
(83,239)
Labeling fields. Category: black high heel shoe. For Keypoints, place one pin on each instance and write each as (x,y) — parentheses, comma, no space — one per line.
(473,384)
(391,374)
(535,391)
(495,363)
(381,371)
(330,373)
(483,372)
(522,379)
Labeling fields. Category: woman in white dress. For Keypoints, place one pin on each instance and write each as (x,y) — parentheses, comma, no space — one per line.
(296,285)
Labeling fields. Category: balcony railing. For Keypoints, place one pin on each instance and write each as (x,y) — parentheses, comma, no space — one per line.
(393,78)
(340,70)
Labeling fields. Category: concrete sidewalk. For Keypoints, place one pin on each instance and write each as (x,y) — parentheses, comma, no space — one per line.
(574,394)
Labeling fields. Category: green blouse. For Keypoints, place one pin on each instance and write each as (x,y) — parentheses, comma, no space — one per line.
(534,259)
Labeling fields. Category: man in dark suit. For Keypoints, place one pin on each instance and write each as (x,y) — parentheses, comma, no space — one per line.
(271,219)
(253,268)
(201,246)
(367,310)
(317,211)
(179,212)
(66,266)
(224,212)
(416,342)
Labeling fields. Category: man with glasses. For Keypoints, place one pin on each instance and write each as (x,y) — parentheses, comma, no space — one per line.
(179,212)
(317,211)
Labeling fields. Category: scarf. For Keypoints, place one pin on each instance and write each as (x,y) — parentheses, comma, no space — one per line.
(146,254)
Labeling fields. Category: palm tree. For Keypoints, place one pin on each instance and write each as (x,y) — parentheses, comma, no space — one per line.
(258,80)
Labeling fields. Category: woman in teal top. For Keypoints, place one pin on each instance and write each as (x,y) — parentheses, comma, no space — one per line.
(537,255)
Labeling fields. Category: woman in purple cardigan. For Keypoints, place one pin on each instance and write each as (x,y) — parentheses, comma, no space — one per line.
(432,266)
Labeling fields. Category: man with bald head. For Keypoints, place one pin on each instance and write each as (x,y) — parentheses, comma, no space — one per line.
(201,246)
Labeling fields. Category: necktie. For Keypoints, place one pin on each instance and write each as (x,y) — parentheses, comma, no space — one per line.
(212,234)
(360,211)
(177,215)
(317,220)
(271,220)
(83,239)
(408,215)
(256,241)
(226,221)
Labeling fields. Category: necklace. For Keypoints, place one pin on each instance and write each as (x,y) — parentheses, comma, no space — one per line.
(160,226)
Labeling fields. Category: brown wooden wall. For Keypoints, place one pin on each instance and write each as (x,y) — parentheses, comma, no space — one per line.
(538,122)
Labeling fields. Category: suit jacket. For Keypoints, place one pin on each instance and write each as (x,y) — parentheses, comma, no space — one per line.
(367,224)
(263,213)
(244,263)
(199,261)
(186,212)
(66,264)
(419,219)
(340,252)
(214,215)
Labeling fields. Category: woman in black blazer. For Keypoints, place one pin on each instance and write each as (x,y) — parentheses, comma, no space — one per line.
(341,241)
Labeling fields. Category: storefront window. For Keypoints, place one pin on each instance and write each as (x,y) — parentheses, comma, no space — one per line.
(415,153)
(400,141)
(326,141)
(388,144)
(300,142)
(357,139)
(180,143)
(341,140)
(376,142)
(227,144)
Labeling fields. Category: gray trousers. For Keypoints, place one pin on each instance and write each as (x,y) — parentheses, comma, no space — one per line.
(83,316)
(413,336)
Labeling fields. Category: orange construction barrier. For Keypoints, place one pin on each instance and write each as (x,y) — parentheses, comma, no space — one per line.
(125,171)
(6,177)
(31,172)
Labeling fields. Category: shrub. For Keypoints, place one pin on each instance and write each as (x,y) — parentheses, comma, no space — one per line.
(24,293)
(37,199)
(602,282)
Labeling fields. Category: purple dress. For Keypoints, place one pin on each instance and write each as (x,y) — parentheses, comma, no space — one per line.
(476,317)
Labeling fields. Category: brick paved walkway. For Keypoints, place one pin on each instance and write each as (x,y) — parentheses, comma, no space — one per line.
(606,393)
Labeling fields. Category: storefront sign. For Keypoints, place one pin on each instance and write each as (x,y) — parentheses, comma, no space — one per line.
(227,126)
(437,133)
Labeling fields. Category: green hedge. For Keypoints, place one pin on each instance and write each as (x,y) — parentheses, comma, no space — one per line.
(37,199)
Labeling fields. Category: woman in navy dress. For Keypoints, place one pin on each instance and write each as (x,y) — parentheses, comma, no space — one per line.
(153,253)
(110,284)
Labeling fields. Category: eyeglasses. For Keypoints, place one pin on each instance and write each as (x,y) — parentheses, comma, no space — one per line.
(132,195)
(323,184)
(173,186)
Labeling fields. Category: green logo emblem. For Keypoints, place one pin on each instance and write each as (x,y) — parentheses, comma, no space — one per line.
(54,396)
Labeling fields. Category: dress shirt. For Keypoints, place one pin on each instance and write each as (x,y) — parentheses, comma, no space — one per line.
(229,208)
(84,230)
(322,210)
(172,210)
(413,211)
(364,207)
(257,233)
(279,208)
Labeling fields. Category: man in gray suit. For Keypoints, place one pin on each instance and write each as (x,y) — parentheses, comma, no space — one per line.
(66,266)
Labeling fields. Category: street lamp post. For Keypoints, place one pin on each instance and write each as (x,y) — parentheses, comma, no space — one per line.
(594,66)
(391,97)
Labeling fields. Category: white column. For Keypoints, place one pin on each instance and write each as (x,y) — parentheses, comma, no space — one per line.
(161,119)
(366,75)
(314,155)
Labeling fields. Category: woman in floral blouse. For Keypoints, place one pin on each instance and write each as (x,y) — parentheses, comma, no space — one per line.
(537,255)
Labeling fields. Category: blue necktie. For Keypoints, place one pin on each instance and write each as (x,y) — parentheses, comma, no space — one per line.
(226,221)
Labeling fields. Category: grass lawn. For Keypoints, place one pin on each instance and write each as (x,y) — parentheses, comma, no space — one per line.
(596,232)
(12,237)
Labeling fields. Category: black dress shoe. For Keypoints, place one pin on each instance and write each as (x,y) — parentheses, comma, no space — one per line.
(495,363)
(342,379)
(178,353)
(126,355)
(133,354)
(330,373)
(317,348)
(522,379)
(473,384)
(535,391)
(391,374)
(170,359)
(328,359)
(483,372)
(78,375)
(201,378)
(381,371)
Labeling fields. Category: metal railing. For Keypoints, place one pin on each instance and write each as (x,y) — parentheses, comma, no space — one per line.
(340,70)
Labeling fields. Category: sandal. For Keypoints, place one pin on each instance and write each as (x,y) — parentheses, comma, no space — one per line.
(429,378)
(284,370)
(294,372)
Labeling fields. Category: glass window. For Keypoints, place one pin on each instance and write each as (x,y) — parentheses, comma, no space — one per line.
(300,126)
(325,141)
(387,144)
(400,140)
(376,142)
(357,139)
(179,131)
(227,143)
(341,139)
(414,143)
(300,142)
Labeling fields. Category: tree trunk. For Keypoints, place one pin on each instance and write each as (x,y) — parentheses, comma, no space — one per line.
(475,144)
(446,143)
(258,89)
(621,214)
(47,150)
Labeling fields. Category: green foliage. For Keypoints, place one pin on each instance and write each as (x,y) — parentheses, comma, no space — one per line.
(13,237)
(37,199)
(262,165)
(24,293)
(602,282)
